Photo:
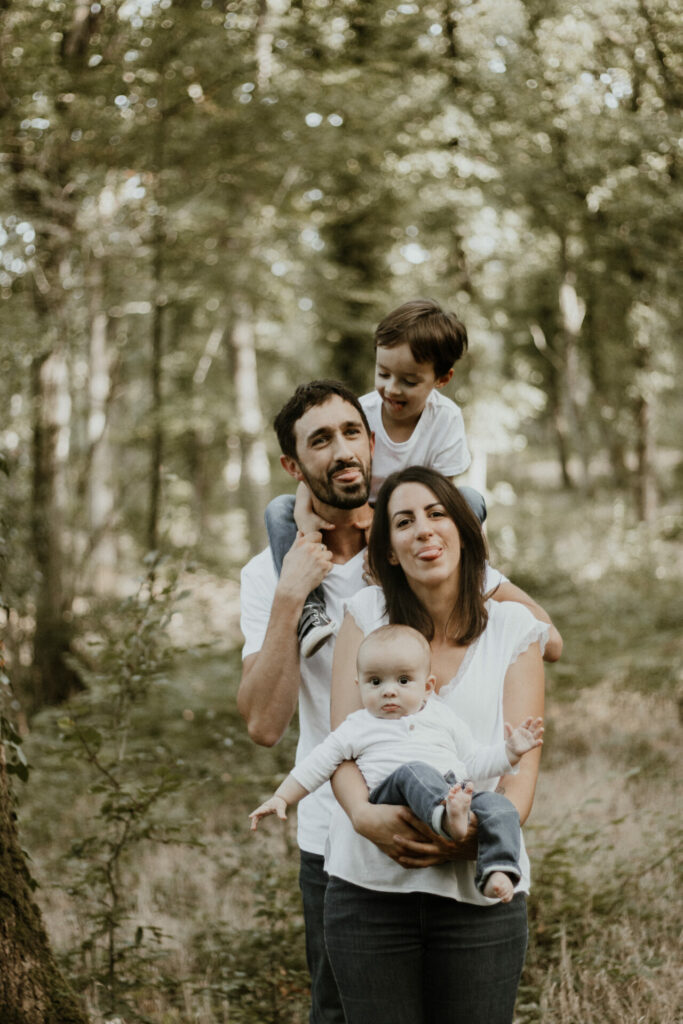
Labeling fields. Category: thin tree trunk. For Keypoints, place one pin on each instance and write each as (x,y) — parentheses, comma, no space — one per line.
(255,470)
(32,990)
(53,680)
(572,312)
(157,440)
(555,392)
(158,303)
(100,497)
(646,484)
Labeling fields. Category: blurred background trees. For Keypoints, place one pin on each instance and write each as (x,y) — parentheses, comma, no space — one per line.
(204,203)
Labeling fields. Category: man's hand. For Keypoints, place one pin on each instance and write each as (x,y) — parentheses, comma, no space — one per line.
(305,516)
(305,565)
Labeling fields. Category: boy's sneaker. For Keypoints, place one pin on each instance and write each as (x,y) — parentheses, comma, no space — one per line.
(315,627)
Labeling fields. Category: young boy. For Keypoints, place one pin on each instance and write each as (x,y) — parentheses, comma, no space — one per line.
(416,347)
(412,749)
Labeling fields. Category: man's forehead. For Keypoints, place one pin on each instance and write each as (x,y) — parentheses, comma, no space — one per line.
(335,412)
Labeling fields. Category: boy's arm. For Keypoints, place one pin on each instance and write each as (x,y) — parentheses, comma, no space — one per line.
(305,517)
(286,795)
(269,688)
(507,591)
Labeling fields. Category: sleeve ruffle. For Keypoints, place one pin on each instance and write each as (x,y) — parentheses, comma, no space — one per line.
(367,609)
(538,633)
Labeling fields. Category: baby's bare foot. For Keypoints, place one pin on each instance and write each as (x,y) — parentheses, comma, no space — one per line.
(458,809)
(499,887)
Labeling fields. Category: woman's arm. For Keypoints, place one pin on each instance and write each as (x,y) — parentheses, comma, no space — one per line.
(510,592)
(344,694)
(523,695)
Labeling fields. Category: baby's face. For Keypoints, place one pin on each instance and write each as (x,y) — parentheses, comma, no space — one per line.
(394,683)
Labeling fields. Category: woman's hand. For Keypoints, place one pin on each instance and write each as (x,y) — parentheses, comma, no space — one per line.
(402,836)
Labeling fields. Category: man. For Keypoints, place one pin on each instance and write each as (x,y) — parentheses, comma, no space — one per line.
(326,442)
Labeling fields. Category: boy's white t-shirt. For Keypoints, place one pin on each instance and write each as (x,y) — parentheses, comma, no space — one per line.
(258,582)
(438,440)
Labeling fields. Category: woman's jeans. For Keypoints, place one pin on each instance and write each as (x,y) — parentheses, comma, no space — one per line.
(416,958)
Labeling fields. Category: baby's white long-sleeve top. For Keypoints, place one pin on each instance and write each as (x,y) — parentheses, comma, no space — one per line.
(434,735)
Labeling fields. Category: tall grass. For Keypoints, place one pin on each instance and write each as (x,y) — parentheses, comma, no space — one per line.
(221,917)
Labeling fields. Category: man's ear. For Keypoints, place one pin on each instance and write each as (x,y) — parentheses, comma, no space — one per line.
(441,382)
(291,466)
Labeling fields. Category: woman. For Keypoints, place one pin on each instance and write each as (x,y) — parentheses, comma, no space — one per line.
(422,945)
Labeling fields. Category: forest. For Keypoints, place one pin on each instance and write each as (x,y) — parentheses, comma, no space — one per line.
(204,203)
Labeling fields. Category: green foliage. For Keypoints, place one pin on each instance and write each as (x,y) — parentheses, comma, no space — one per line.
(131,787)
(258,972)
(602,939)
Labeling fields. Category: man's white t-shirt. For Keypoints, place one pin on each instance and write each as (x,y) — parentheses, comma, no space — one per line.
(258,582)
(438,440)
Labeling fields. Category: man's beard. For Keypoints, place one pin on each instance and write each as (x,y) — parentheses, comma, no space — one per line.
(339,495)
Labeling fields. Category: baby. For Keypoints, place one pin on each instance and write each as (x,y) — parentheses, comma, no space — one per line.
(413,750)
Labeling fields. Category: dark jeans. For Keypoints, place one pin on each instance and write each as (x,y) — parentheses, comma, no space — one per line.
(423,788)
(326,1005)
(416,958)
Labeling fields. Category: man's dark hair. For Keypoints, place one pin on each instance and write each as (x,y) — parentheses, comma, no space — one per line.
(434,336)
(317,392)
(469,615)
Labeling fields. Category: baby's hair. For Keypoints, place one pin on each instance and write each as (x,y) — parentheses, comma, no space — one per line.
(394,634)
(434,335)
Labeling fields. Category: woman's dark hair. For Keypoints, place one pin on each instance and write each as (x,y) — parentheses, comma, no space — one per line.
(469,615)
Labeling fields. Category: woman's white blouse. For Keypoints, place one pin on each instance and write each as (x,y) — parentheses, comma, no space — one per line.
(475,694)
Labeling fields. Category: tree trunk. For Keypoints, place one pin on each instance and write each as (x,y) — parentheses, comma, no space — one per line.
(255,470)
(100,492)
(53,679)
(32,990)
(572,312)
(645,481)
(157,441)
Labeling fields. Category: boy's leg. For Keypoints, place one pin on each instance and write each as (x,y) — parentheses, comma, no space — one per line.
(476,502)
(315,625)
(420,787)
(498,833)
(279,517)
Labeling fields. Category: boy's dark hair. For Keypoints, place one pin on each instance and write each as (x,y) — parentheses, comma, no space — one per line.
(434,336)
(316,392)
(469,613)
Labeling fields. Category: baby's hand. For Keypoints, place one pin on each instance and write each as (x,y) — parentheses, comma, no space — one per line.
(524,738)
(276,805)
